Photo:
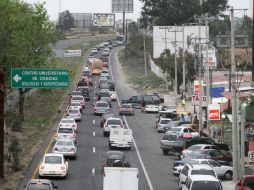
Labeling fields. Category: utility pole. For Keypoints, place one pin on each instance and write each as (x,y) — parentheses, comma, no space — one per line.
(234,102)
(184,84)
(200,111)
(144,39)
(1,122)
(252,43)
(175,68)
(123,22)
(242,169)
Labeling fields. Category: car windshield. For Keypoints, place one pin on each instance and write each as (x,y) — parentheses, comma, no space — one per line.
(38,186)
(104,94)
(53,160)
(114,122)
(165,121)
(65,130)
(77,98)
(126,106)
(203,172)
(73,111)
(75,104)
(126,133)
(175,129)
(76,93)
(104,85)
(115,157)
(101,105)
(207,185)
(67,121)
(169,137)
(64,143)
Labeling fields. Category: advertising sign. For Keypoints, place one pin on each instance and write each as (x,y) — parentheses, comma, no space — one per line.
(103,20)
(120,6)
(195,100)
(72,53)
(196,86)
(211,58)
(214,112)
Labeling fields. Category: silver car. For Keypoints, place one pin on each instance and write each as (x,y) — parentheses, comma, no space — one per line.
(164,125)
(66,133)
(74,114)
(65,147)
(101,107)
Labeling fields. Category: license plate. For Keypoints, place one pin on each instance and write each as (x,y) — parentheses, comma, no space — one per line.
(51,172)
(120,145)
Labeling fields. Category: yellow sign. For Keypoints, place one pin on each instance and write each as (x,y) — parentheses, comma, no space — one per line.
(180,109)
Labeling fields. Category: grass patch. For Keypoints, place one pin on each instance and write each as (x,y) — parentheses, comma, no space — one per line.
(41,109)
(134,71)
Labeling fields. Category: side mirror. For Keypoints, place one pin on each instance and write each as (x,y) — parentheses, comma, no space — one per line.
(183,182)
(239,184)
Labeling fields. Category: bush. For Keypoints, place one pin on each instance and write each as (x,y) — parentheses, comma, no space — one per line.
(13,121)
(15,149)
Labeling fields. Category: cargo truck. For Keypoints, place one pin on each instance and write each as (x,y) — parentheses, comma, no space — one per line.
(97,66)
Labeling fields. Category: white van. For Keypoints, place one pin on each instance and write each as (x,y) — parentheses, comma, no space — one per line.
(120,138)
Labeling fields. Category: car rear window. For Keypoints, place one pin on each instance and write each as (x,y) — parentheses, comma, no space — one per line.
(169,137)
(114,122)
(76,93)
(39,186)
(250,182)
(102,105)
(67,121)
(115,157)
(126,106)
(194,147)
(165,121)
(53,160)
(73,111)
(77,98)
(175,129)
(207,185)
(64,143)
(65,130)
(104,94)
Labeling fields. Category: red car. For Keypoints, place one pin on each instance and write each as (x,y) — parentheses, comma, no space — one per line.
(246,183)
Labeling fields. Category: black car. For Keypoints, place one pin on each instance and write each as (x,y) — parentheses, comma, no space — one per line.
(85,92)
(115,159)
(38,184)
(183,143)
(136,100)
(102,94)
(104,118)
(111,85)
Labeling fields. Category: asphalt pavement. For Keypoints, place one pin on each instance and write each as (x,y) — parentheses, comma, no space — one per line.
(155,169)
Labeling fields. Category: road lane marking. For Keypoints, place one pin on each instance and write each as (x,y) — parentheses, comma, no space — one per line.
(94,134)
(93,172)
(93,149)
(93,121)
(134,142)
(36,171)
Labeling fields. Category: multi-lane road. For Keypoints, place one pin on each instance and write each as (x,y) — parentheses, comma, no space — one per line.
(155,169)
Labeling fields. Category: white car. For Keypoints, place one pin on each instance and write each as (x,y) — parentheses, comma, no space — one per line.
(66,133)
(79,99)
(65,147)
(120,138)
(94,51)
(195,169)
(182,130)
(150,108)
(68,122)
(222,171)
(74,114)
(112,123)
(76,105)
(53,165)
(105,52)
(113,95)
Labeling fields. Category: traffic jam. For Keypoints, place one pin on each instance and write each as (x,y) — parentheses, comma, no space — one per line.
(199,161)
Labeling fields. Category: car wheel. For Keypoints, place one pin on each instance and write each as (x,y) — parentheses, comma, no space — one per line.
(165,152)
(104,134)
(75,157)
(129,148)
(228,175)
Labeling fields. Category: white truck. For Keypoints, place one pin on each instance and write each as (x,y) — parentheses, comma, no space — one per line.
(118,178)
(120,138)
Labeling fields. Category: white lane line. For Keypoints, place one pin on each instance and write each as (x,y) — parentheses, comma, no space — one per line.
(93,172)
(134,142)
(93,121)
(94,134)
(94,98)
(93,149)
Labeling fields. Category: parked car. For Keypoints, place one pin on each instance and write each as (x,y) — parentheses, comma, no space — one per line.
(195,169)
(113,158)
(218,155)
(202,182)
(246,182)
(40,184)
(53,165)
(167,142)
(126,109)
(65,147)
(184,143)
(101,107)
(181,130)
(163,125)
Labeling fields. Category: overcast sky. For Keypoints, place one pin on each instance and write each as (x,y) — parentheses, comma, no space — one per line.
(104,6)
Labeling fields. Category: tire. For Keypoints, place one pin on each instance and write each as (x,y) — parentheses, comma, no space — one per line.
(165,152)
(228,175)
(75,157)
(104,134)
(133,114)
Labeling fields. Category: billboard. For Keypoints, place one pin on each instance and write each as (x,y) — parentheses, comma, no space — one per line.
(120,6)
(214,112)
(103,20)
(164,38)
(211,56)
(82,20)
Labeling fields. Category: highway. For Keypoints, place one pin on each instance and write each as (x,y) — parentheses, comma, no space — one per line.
(155,169)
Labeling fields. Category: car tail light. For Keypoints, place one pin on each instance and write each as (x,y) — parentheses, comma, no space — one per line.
(105,164)
(42,167)
(73,125)
(79,114)
(74,135)
(62,167)
(72,150)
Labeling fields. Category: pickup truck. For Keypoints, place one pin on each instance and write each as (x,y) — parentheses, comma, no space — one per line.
(136,100)
(119,178)
(120,138)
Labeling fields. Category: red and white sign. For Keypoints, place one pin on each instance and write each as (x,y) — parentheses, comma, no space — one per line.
(195,100)
(196,86)
(214,112)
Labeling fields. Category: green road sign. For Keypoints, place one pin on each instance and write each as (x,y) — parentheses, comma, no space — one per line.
(39,78)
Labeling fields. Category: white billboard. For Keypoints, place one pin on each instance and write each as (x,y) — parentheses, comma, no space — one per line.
(211,56)
(120,6)
(72,53)
(103,20)
(164,37)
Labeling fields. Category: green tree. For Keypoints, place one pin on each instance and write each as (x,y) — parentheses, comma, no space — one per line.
(26,33)
(65,22)
(171,12)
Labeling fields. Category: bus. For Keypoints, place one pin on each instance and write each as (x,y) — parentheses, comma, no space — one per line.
(120,40)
